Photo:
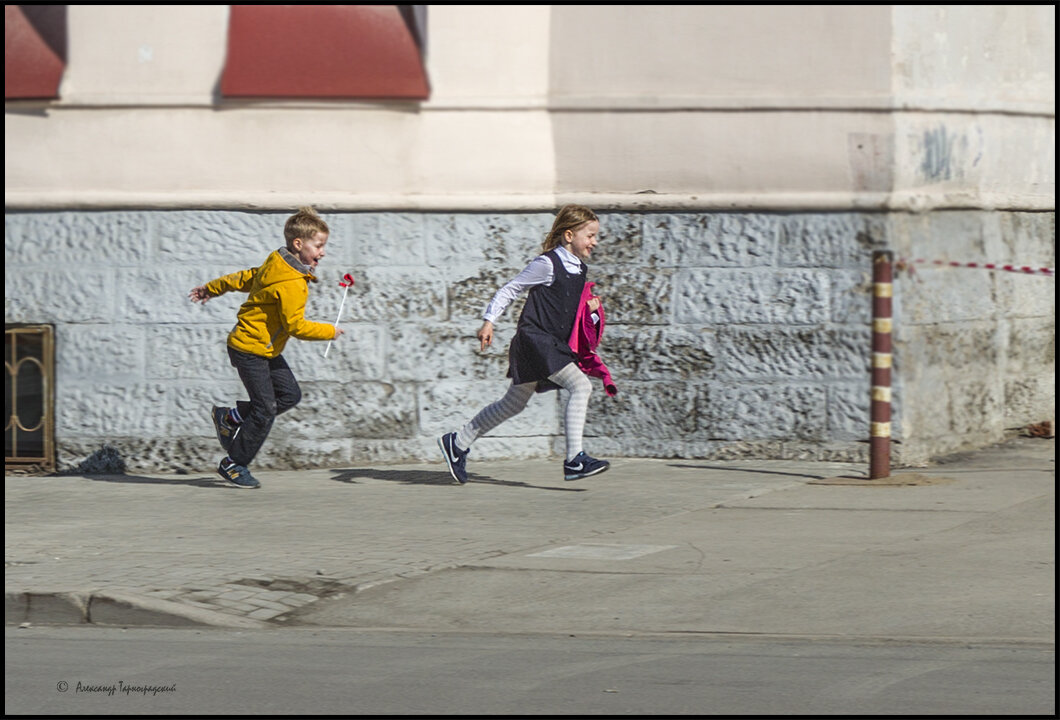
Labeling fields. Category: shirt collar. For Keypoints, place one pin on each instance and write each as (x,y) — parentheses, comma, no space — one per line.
(568,257)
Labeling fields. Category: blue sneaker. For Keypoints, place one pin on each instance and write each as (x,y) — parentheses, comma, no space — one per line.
(237,474)
(455,458)
(582,466)
(226,429)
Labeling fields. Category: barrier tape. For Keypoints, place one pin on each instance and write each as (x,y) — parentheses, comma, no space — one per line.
(905,264)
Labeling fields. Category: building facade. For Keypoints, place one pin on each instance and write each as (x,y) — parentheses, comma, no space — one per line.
(746,161)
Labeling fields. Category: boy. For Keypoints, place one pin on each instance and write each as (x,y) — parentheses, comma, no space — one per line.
(273,312)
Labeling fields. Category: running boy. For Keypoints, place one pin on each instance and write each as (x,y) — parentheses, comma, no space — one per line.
(540,357)
(273,312)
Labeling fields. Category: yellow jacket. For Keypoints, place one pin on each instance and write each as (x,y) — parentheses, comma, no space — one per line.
(275,308)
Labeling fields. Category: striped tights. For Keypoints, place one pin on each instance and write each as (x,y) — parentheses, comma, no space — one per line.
(570,378)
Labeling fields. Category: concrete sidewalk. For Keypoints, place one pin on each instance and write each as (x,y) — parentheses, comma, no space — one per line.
(961,550)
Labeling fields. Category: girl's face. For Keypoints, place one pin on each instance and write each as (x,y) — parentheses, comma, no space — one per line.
(582,239)
(310,252)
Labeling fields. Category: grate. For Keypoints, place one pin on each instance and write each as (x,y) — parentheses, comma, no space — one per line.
(29,359)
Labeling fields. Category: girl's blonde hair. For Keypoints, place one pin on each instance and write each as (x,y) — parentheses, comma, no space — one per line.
(569,217)
(304,224)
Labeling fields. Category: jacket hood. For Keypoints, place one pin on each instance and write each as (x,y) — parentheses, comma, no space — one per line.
(282,266)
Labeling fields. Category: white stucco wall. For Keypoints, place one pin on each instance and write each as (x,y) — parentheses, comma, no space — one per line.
(876,106)
(140,123)
(640,106)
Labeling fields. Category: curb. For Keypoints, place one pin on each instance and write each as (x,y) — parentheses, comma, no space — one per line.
(112,608)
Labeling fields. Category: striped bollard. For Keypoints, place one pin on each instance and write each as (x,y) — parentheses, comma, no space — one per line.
(880,414)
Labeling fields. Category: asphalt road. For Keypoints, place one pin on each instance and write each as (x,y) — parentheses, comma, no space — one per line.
(92,670)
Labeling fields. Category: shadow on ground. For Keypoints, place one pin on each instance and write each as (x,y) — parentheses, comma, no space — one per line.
(432,477)
(746,470)
(207,482)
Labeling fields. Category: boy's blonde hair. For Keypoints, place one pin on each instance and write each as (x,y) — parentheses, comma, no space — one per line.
(569,217)
(304,224)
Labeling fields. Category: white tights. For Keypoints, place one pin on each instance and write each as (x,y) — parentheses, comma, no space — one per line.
(570,378)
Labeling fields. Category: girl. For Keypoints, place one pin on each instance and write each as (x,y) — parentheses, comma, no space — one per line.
(540,358)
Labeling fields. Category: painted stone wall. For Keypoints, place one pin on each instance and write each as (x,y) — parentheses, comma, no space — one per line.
(729,334)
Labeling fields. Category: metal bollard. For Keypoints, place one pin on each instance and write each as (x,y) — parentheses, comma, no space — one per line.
(880,413)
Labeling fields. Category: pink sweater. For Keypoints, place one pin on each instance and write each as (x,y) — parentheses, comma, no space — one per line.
(585,337)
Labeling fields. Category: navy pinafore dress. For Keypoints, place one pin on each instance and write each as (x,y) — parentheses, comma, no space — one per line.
(540,346)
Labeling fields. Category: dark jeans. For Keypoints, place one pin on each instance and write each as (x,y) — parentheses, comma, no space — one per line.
(272,390)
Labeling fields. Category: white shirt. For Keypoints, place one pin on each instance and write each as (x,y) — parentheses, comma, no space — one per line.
(538,272)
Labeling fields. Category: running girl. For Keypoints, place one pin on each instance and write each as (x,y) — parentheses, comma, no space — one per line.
(540,357)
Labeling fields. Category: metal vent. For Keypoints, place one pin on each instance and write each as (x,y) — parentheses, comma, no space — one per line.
(29,359)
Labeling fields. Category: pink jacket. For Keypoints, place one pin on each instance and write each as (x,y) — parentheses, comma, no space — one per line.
(588,329)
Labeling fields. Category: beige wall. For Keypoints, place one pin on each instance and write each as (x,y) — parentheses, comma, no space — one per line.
(976,90)
(638,106)
(716,56)
(974,57)
(896,107)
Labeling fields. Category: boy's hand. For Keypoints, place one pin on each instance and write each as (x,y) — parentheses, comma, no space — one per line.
(485,335)
(338,331)
(199,294)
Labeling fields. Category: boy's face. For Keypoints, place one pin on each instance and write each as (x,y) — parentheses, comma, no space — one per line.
(310,252)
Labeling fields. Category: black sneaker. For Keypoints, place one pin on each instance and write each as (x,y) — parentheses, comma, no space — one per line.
(455,458)
(226,429)
(582,466)
(237,474)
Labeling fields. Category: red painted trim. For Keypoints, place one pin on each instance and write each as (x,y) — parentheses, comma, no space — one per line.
(322,51)
(33,68)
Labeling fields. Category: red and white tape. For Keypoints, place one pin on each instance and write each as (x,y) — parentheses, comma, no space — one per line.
(903,263)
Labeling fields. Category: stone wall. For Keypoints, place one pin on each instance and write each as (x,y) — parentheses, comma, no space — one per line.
(974,350)
(729,334)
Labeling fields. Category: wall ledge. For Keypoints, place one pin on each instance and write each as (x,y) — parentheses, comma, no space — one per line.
(645,201)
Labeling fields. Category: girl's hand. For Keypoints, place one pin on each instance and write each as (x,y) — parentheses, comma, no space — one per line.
(594,303)
(485,335)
